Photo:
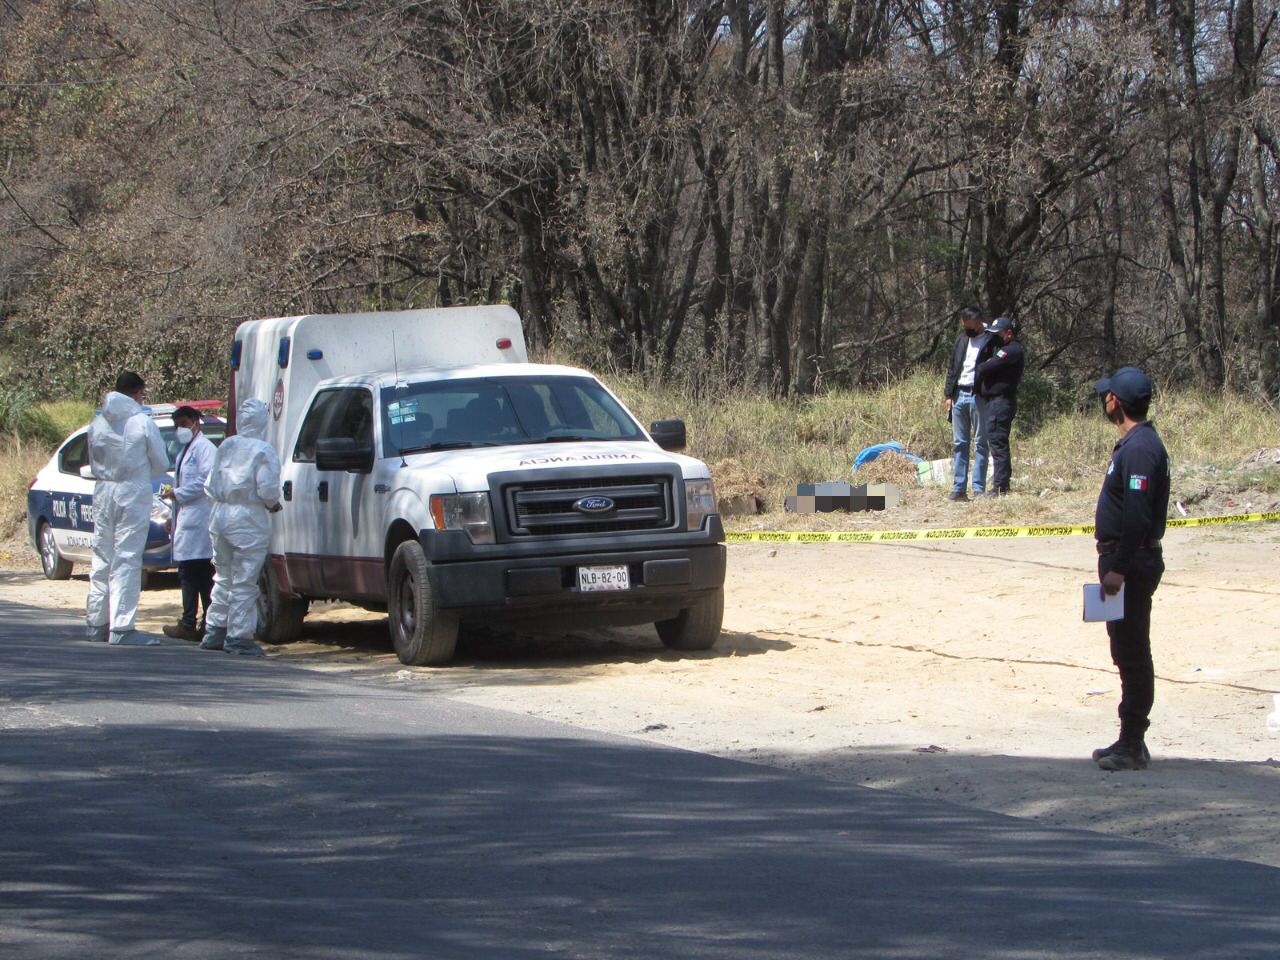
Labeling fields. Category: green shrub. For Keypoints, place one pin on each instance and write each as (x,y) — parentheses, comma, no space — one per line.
(1042,399)
(23,419)
(68,415)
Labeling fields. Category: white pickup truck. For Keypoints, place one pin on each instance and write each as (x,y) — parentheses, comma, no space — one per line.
(430,470)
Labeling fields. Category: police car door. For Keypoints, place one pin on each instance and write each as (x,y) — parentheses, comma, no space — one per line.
(72,501)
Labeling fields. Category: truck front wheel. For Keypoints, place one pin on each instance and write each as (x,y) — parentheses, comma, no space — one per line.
(423,634)
(696,627)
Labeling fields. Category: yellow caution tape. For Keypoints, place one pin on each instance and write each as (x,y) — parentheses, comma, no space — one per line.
(970,533)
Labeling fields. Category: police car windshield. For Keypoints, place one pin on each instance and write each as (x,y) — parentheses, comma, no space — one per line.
(455,414)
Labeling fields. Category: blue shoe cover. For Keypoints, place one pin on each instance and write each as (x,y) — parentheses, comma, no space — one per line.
(214,638)
(132,638)
(243,646)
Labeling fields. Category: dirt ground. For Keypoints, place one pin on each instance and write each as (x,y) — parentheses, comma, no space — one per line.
(959,671)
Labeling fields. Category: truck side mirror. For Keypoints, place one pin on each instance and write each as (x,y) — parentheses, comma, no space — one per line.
(668,434)
(87,472)
(342,453)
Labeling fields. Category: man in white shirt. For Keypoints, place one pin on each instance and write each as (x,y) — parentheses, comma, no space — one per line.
(965,409)
(192,545)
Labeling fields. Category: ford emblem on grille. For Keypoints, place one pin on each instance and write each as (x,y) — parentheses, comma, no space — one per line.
(593,505)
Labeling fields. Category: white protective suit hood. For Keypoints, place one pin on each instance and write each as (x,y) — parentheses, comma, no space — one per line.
(246,470)
(119,407)
(125,444)
(251,419)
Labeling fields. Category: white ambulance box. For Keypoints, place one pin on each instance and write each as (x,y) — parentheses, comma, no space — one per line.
(307,349)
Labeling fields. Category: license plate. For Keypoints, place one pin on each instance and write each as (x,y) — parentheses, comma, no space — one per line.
(591,579)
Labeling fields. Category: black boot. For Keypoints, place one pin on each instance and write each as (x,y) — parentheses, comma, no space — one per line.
(1127,753)
(1103,751)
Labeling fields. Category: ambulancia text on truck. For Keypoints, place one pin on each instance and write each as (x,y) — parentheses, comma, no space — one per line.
(429,468)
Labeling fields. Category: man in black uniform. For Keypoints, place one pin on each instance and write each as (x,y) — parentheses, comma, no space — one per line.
(997,379)
(1130,523)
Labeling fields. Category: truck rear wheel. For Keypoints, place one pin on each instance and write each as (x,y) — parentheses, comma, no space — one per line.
(280,614)
(423,634)
(696,627)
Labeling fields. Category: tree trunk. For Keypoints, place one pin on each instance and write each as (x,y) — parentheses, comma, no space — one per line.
(1114,232)
(811,301)
(536,307)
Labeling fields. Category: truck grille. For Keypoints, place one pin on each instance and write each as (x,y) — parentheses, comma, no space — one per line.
(546,508)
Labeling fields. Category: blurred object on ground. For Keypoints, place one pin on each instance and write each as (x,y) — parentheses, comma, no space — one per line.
(838,496)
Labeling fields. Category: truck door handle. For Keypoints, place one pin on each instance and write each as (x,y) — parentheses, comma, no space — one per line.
(287,489)
(324,491)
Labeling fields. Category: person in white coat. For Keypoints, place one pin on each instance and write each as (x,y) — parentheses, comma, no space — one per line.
(126,453)
(244,488)
(192,544)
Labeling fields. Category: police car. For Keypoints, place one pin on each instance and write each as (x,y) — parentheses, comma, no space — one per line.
(60,498)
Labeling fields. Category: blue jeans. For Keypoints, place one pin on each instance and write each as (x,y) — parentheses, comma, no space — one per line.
(969,421)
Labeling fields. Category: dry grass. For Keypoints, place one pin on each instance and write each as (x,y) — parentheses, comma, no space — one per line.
(784,443)
(763,447)
(888,468)
(22,456)
(18,466)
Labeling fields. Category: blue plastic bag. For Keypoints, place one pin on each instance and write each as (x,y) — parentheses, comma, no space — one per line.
(867,454)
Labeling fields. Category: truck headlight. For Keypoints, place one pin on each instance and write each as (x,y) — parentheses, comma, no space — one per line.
(699,501)
(464,511)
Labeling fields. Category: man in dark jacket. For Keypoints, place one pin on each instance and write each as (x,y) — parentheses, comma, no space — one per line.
(997,379)
(966,410)
(1129,525)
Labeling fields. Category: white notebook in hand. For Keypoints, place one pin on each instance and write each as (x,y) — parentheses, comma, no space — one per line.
(1098,606)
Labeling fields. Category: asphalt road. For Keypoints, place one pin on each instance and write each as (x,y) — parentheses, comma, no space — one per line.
(169,803)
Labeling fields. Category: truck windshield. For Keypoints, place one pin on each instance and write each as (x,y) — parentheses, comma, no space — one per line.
(456,414)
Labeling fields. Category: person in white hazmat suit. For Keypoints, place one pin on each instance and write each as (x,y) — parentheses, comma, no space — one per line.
(126,452)
(244,489)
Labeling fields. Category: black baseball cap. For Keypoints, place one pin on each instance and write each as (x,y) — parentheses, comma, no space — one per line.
(1000,325)
(1128,383)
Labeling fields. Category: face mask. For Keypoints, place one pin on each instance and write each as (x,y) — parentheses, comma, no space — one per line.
(971,333)
(185,435)
(1115,416)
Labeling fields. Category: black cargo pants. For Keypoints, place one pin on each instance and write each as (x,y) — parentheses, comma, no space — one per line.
(1000,413)
(196,579)
(1131,639)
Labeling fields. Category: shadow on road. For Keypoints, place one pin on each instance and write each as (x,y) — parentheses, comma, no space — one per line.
(416,844)
(1211,806)
(155,802)
(349,633)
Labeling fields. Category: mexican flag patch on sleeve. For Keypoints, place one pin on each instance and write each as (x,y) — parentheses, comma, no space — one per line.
(1138,482)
